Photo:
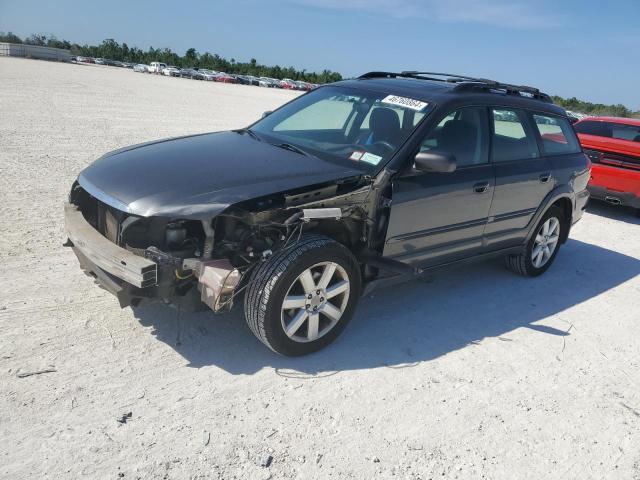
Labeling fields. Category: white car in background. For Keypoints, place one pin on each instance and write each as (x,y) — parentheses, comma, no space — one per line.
(209,75)
(268,82)
(157,67)
(171,71)
(141,67)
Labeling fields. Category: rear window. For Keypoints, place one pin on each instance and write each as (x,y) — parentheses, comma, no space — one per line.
(558,137)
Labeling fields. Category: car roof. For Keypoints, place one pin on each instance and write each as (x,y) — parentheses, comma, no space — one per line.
(443,92)
(625,121)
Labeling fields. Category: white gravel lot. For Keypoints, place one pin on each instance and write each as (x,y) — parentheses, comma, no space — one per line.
(476,374)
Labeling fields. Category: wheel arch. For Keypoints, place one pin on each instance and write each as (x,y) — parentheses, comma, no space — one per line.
(562,197)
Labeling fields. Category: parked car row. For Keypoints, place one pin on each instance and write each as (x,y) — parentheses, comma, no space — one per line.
(101,61)
(195,73)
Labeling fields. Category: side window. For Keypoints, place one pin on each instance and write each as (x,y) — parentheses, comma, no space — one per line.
(557,135)
(462,133)
(594,127)
(630,133)
(510,139)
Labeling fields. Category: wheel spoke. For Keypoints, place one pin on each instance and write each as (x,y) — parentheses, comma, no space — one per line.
(536,252)
(553,240)
(545,228)
(327,275)
(313,325)
(554,225)
(537,259)
(331,311)
(294,301)
(337,288)
(539,238)
(307,281)
(297,322)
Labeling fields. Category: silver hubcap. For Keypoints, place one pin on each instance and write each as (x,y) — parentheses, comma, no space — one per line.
(315,302)
(546,242)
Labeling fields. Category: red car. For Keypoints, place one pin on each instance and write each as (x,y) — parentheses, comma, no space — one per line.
(225,78)
(613,145)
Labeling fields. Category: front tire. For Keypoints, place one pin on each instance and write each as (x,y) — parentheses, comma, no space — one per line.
(301,299)
(542,248)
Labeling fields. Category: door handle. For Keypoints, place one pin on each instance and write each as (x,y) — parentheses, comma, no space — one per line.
(544,177)
(481,187)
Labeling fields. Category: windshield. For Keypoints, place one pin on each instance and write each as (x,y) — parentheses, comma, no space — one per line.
(359,127)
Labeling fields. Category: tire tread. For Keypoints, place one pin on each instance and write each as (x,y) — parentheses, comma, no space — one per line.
(265,277)
(520,263)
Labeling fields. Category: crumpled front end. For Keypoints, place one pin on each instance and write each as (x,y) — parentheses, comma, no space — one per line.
(137,258)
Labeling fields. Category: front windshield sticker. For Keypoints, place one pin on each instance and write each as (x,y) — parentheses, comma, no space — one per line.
(416,105)
(371,158)
(356,156)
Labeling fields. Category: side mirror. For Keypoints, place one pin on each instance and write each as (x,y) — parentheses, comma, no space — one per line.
(435,162)
(266,114)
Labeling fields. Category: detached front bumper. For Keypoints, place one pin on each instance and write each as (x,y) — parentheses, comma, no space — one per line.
(132,278)
(115,269)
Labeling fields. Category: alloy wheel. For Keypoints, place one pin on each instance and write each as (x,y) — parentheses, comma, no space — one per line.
(545,242)
(315,302)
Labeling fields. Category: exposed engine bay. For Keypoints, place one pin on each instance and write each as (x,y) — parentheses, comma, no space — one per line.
(210,260)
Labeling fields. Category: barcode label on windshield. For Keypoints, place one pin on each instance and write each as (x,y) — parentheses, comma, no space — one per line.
(416,105)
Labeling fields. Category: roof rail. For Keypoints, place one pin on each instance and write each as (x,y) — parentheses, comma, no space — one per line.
(466,83)
(504,88)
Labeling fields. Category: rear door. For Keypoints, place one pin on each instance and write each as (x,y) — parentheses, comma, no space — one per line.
(523,177)
(440,217)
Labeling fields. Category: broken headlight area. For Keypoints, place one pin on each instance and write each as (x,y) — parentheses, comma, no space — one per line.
(209,261)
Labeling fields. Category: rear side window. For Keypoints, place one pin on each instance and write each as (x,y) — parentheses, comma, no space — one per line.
(511,139)
(558,137)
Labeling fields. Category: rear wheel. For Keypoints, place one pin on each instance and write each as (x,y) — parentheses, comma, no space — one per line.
(302,298)
(542,248)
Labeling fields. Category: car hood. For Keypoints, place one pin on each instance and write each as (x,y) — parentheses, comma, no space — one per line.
(199,176)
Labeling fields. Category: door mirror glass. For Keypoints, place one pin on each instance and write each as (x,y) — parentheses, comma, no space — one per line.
(435,162)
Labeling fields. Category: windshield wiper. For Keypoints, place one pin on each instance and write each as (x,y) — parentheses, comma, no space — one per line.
(292,148)
(249,132)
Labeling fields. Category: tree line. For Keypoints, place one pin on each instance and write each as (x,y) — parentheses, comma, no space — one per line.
(122,52)
(597,109)
(113,50)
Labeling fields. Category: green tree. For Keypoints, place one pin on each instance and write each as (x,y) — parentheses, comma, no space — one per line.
(191,57)
(9,37)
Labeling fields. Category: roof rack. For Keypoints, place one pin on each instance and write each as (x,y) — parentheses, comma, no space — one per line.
(466,83)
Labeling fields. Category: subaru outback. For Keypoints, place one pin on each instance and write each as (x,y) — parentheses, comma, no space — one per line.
(352,186)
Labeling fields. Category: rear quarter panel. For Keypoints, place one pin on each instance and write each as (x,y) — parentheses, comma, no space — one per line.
(573,171)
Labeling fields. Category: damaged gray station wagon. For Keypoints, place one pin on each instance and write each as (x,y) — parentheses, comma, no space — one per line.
(351,186)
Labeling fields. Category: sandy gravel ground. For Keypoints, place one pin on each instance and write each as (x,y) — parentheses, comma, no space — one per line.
(477,373)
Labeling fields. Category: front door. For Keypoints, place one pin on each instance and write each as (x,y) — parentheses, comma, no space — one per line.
(440,217)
